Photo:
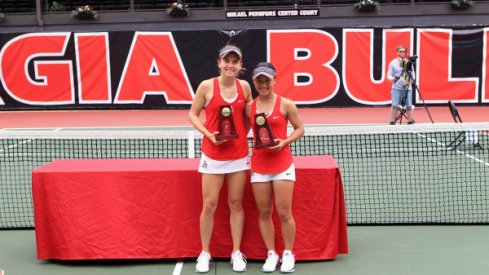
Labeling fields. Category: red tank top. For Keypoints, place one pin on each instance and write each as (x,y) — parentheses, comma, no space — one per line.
(232,149)
(266,161)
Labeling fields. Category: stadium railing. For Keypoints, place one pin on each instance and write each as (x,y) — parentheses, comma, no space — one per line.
(29,6)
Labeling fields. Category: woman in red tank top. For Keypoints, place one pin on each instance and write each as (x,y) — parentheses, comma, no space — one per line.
(222,159)
(272,170)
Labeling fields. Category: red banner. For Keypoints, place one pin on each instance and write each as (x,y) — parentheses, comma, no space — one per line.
(316,67)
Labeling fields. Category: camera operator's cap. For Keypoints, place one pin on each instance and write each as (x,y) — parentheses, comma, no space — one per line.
(266,71)
(230,49)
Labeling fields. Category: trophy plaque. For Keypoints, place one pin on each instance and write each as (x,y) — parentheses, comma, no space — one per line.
(263,132)
(225,126)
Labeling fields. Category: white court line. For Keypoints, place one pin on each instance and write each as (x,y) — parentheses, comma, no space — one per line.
(458,151)
(152,128)
(178,267)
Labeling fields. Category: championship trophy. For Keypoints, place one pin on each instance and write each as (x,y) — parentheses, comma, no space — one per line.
(226,124)
(263,132)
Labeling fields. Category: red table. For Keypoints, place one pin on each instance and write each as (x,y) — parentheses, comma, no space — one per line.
(149,208)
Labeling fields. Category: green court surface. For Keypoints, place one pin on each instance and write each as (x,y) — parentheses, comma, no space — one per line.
(379,250)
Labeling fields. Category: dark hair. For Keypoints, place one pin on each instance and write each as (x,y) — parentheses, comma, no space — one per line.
(265,64)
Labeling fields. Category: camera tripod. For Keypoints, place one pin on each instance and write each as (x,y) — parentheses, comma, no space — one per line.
(401,108)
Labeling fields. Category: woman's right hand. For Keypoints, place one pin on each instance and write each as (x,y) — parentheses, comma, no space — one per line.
(212,138)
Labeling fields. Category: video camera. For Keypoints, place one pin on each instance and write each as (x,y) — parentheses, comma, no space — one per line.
(407,64)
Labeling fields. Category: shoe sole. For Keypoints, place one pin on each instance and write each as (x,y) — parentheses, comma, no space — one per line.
(239,271)
(202,272)
(268,271)
(288,271)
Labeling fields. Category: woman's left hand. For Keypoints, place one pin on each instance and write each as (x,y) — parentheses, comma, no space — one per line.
(281,144)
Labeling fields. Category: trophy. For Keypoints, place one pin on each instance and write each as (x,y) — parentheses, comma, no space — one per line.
(226,124)
(263,132)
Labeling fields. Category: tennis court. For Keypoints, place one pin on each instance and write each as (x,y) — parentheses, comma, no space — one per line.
(392,177)
(436,249)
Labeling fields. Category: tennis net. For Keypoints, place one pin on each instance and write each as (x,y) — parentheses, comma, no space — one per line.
(408,174)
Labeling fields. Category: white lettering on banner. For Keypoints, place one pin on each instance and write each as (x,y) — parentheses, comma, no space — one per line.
(288,13)
(236,14)
(262,13)
(309,12)
(272,13)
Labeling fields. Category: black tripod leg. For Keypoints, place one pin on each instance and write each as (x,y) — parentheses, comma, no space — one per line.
(424,103)
(478,145)
(400,114)
(456,142)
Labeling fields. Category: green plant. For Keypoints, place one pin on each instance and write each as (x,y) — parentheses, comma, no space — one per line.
(84,12)
(366,5)
(178,8)
(56,7)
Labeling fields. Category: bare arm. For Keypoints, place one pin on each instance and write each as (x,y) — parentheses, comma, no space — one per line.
(248,100)
(197,106)
(292,114)
(247,109)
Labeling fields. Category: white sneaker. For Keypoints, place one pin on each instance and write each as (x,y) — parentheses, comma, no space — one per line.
(203,262)
(271,263)
(238,260)
(288,262)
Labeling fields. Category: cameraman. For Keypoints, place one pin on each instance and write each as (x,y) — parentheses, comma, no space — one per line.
(402,80)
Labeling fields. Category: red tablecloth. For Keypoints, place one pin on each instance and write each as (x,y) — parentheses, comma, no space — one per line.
(149,208)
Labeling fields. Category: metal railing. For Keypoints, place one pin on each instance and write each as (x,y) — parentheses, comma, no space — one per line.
(29,6)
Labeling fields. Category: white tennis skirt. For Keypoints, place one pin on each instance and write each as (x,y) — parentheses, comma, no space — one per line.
(288,174)
(212,166)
